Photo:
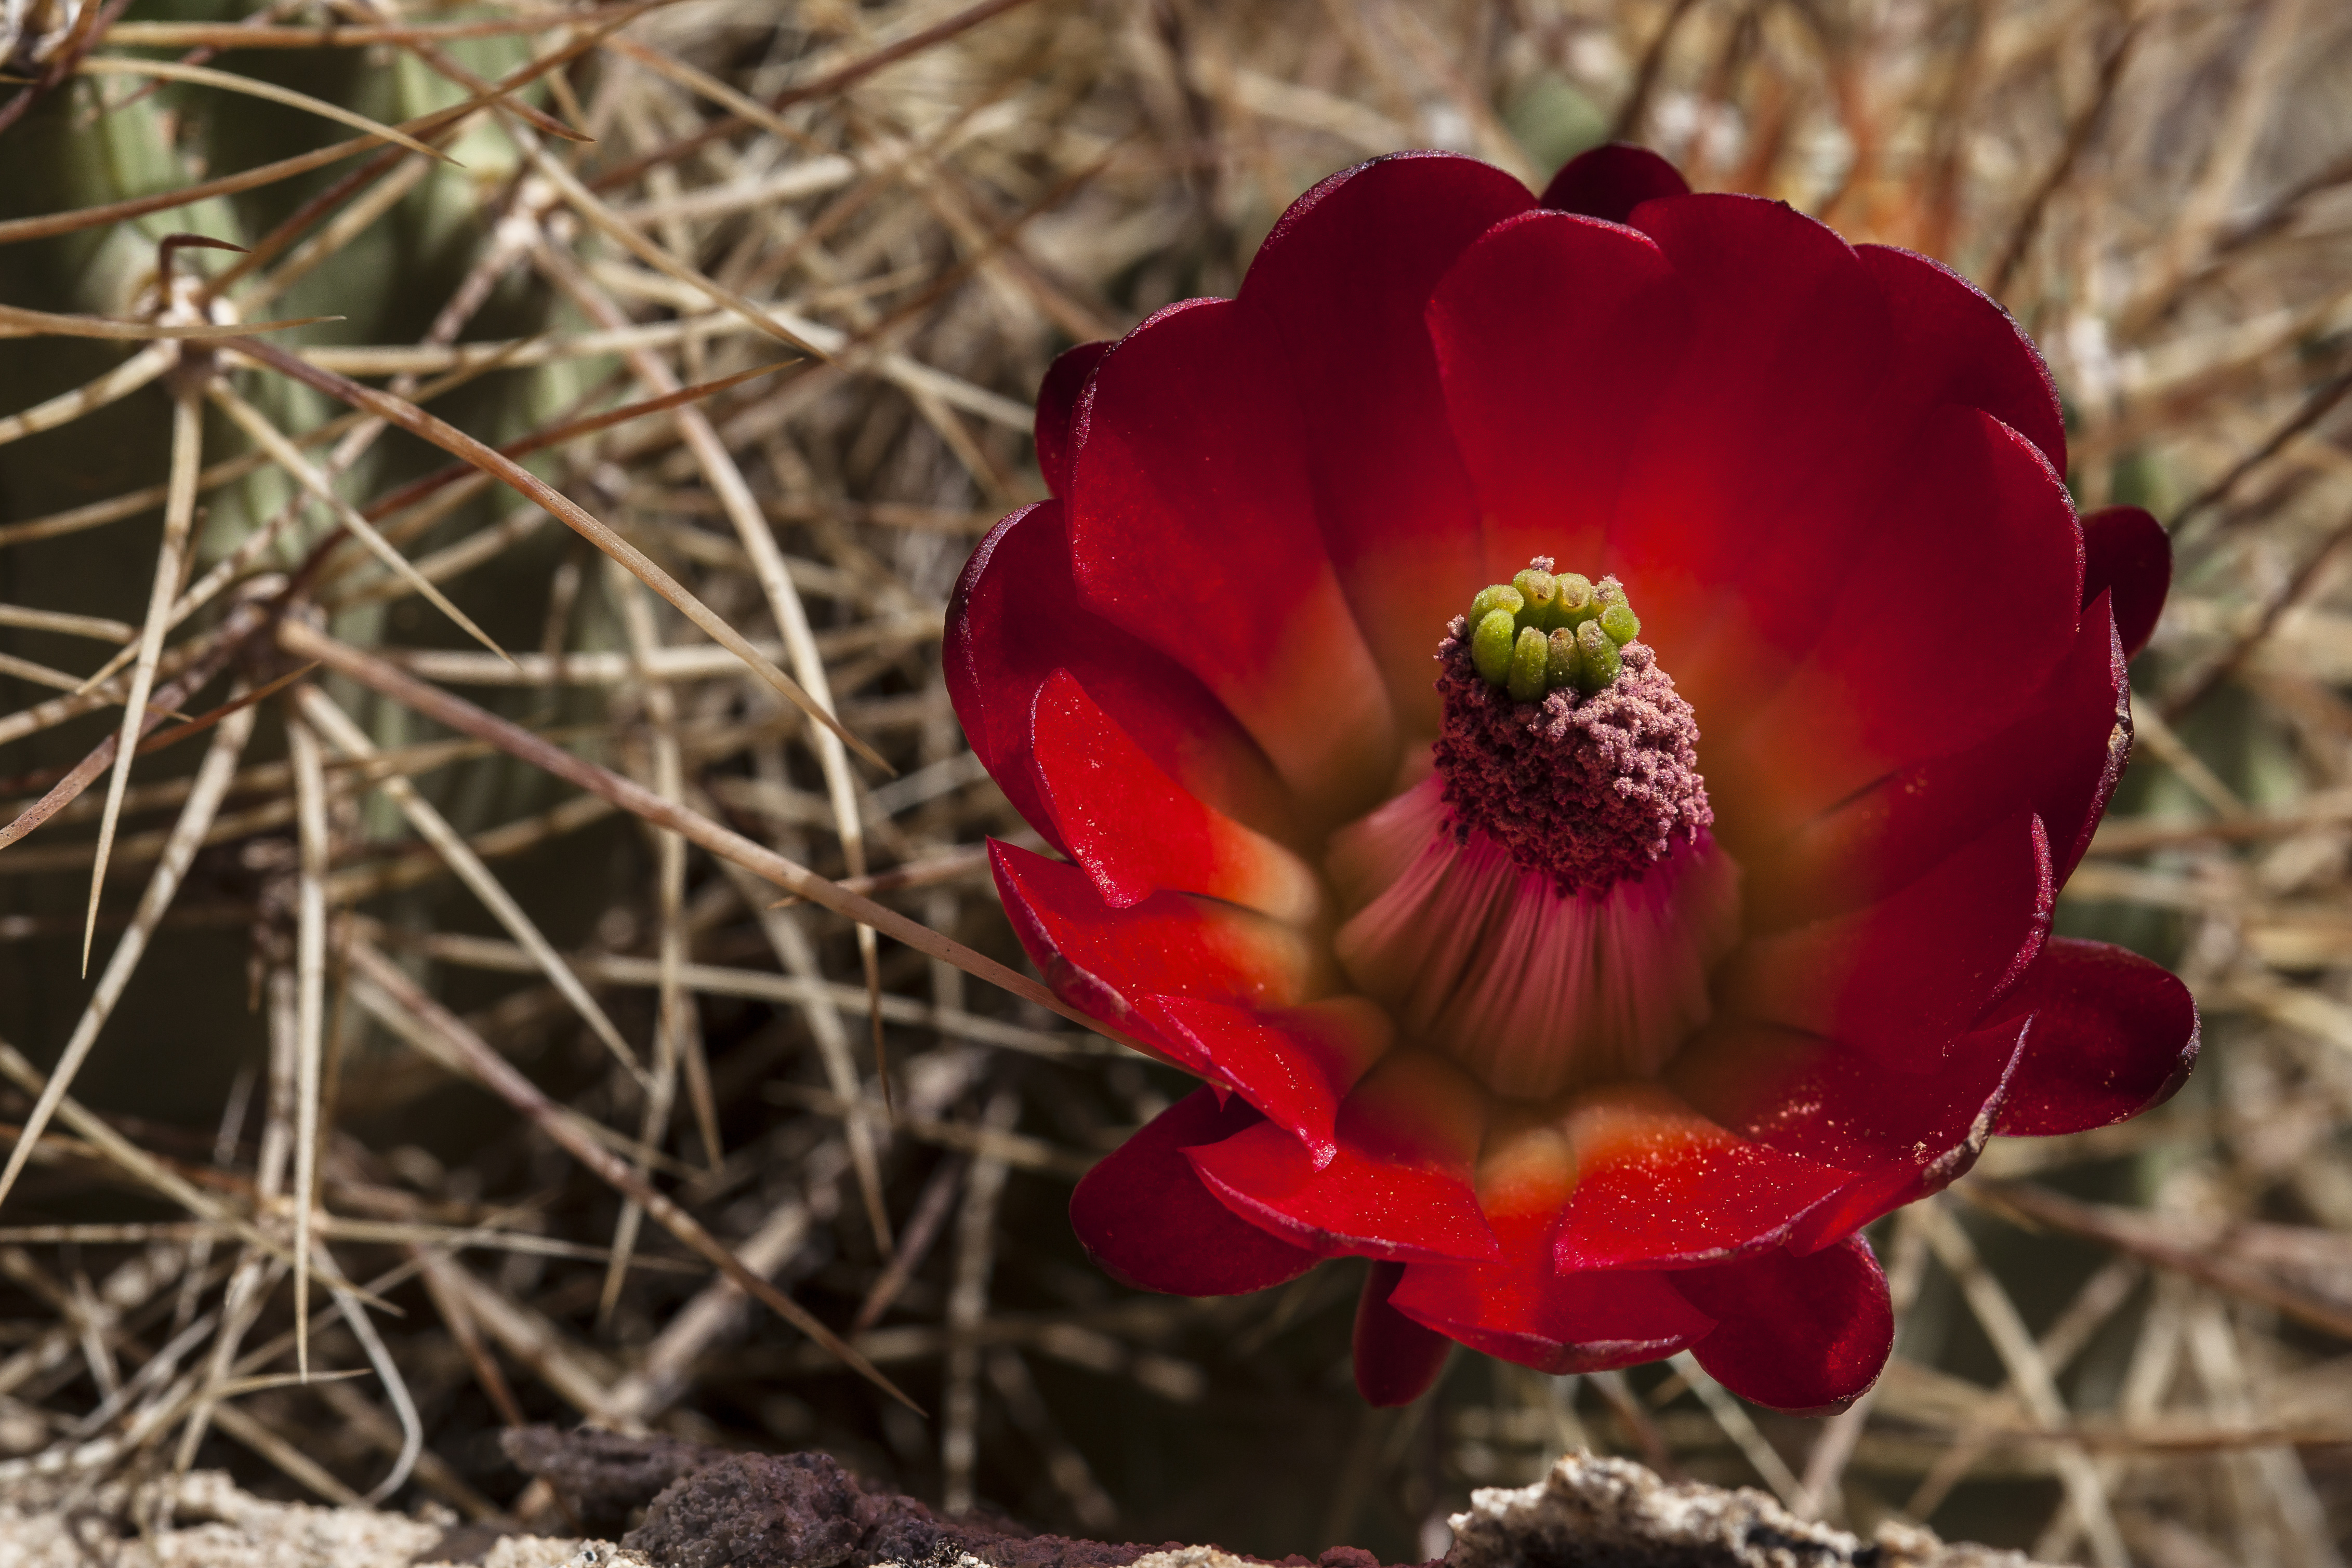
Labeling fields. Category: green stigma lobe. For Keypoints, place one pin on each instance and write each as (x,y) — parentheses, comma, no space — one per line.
(1491,645)
(1537,589)
(1562,661)
(1573,604)
(1543,632)
(1502,596)
(1597,661)
(1530,660)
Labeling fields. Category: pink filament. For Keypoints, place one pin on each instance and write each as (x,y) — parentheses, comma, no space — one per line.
(1534,989)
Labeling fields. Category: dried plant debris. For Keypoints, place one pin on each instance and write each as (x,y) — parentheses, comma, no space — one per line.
(470,696)
(706,1508)
(204,1520)
(604,1480)
(803,1510)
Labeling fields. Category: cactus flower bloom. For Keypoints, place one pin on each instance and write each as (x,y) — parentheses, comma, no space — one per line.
(1569,714)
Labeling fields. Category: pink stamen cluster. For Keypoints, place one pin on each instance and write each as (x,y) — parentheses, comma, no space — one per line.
(1591,790)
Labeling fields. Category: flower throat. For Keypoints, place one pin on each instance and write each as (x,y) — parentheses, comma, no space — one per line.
(1547,905)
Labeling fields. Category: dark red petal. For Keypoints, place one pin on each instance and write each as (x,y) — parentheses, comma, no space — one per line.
(2111,1035)
(1610,181)
(1355,1204)
(1659,1185)
(2061,758)
(1057,407)
(1809,1096)
(2127,552)
(1522,1310)
(983,652)
(1808,1335)
(1104,960)
(1955,344)
(1295,1064)
(1137,831)
(1345,278)
(1548,447)
(1747,496)
(1144,1217)
(1904,1133)
(1014,619)
(1398,1184)
(1192,524)
(1396,1358)
(1956,611)
(2077,755)
(1902,978)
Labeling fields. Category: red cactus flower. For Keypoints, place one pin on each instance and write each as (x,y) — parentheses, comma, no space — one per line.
(1600,976)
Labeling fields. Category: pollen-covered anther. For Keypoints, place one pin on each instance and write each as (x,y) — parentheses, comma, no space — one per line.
(1582,759)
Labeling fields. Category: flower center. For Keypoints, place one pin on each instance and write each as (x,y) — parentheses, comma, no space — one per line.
(1546,906)
(1564,742)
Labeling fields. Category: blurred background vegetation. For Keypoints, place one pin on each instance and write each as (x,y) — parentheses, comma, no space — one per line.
(2129,1345)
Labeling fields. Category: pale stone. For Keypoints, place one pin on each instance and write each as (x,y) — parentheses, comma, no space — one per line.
(1613,1513)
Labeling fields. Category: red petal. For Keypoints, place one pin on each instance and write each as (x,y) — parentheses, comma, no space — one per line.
(1396,1358)
(1657,1184)
(1876,349)
(1522,1310)
(1547,449)
(1352,1204)
(1057,406)
(2061,758)
(2112,1035)
(2128,552)
(1808,1335)
(2077,753)
(1295,1065)
(1745,495)
(1610,181)
(1962,603)
(1137,830)
(1902,978)
(1955,344)
(1145,1218)
(1105,959)
(1345,278)
(1016,619)
(1398,1186)
(1192,524)
(1908,1134)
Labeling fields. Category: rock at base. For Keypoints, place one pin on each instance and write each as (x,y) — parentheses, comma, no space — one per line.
(1613,1513)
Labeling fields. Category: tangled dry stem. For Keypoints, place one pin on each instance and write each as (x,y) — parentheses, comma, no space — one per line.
(908,206)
